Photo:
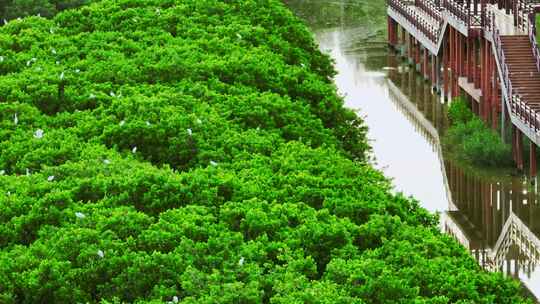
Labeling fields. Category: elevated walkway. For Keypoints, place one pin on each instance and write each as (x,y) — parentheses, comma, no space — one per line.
(512,42)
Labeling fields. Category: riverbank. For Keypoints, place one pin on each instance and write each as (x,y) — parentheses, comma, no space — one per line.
(201,158)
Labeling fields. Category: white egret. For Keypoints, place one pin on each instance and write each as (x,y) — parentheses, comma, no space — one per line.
(189,132)
(15,119)
(100,253)
(106,162)
(38,134)
(213,163)
(241,261)
(50,178)
(134,150)
(2,172)
(80,215)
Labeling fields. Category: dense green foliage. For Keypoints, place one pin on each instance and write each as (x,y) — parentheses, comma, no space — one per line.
(471,139)
(197,151)
(11,9)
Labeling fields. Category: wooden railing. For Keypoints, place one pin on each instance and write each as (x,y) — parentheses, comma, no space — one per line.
(415,19)
(431,8)
(532,38)
(502,60)
(463,13)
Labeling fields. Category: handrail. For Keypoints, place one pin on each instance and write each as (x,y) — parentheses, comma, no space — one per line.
(416,20)
(463,13)
(532,38)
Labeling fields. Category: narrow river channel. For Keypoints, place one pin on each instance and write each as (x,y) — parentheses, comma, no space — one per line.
(495,215)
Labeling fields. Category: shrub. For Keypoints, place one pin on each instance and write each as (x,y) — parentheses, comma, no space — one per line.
(473,141)
(197,151)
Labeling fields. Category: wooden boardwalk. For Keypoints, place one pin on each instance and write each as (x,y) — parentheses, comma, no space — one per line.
(483,49)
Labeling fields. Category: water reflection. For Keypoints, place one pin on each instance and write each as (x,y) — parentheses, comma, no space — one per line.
(496,217)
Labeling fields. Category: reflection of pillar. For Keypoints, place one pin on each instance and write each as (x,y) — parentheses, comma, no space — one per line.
(518,143)
(532,159)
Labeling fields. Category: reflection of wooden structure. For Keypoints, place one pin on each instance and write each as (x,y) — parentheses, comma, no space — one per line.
(498,221)
(483,48)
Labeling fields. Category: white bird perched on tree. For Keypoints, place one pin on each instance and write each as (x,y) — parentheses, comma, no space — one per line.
(5,22)
(175,299)
(62,76)
(189,132)
(158,11)
(50,178)
(53,51)
(123,122)
(241,261)
(27,172)
(2,172)
(213,163)
(106,162)
(92,96)
(15,119)
(134,150)
(100,253)
(29,62)
(112,94)
(39,133)
(147,123)
(80,215)
(1,58)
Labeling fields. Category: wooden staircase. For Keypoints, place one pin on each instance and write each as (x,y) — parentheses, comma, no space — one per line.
(524,75)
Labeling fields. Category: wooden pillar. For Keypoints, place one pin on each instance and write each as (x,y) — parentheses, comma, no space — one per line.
(433,71)
(484,79)
(426,64)
(469,59)
(475,64)
(445,70)
(488,73)
(532,159)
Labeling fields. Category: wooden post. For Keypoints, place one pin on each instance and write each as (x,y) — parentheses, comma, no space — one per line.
(469,59)
(426,64)
(445,71)
(475,65)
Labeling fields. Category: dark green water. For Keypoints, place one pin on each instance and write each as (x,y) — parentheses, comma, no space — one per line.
(495,215)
